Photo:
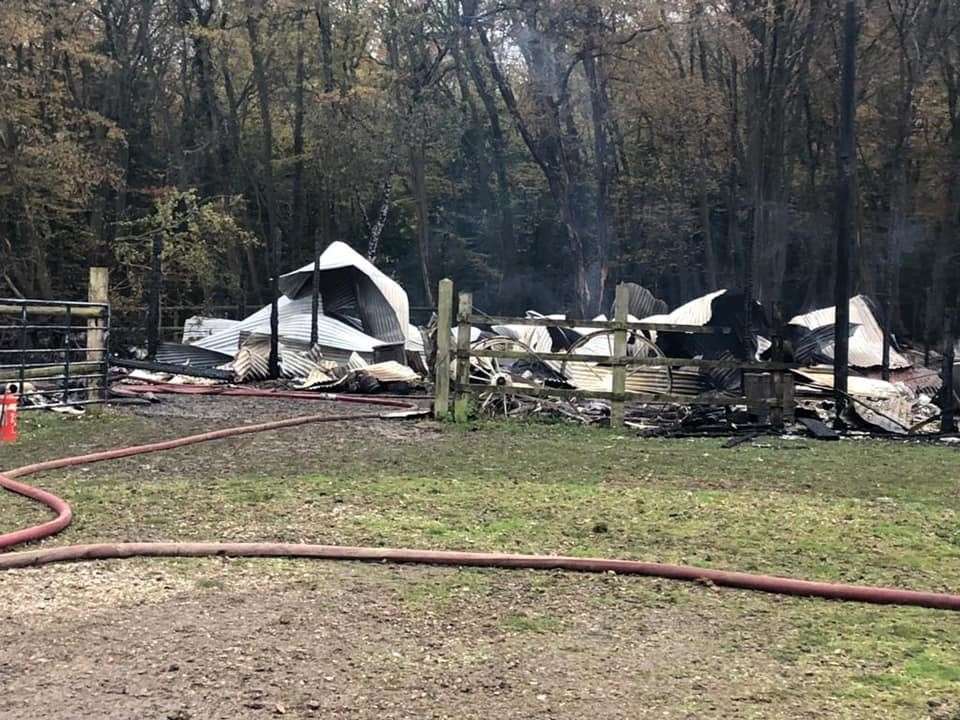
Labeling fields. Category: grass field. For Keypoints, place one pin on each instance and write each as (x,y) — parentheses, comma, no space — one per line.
(857,511)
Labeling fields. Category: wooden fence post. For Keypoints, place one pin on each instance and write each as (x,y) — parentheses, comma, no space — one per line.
(441,399)
(97,292)
(621,303)
(947,424)
(154,315)
(461,398)
(776,348)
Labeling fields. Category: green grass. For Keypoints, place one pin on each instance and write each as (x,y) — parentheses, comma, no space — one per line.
(856,511)
(539,624)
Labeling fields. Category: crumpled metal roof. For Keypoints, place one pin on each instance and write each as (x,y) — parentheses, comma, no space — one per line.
(361,309)
(198,327)
(698,311)
(866,339)
(641,302)
(295,321)
(533,336)
(192,355)
(415,341)
(822,377)
(382,303)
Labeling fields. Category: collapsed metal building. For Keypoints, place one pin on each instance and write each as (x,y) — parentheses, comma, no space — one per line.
(363,328)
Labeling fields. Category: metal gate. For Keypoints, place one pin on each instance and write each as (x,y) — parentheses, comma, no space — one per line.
(54,353)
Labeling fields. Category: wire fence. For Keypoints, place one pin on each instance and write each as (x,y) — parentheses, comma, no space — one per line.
(54,353)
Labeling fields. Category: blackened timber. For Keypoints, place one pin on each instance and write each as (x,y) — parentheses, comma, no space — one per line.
(629,361)
(208,373)
(600,324)
(845,194)
(719,399)
(947,424)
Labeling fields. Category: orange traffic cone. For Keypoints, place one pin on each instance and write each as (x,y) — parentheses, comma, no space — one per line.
(8,418)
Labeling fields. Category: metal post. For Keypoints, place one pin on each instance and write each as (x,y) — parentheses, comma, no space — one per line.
(66,356)
(947,424)
(23,345)
(619,388)
(274,362)
(105,334)
(315,293)
(441,401)
(461,397)
(845,194)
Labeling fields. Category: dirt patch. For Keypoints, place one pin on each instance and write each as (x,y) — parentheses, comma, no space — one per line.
(228,639)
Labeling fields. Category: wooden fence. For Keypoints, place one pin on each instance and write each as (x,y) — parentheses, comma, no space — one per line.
(779,400)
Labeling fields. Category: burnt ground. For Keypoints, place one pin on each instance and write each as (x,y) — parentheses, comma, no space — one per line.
(249,638)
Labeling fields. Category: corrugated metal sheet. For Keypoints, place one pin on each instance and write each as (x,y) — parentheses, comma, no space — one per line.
(382,303)
(297,359)
(918,379)
(562,338)
(696,312)
(866,340)
(642,303)
(391,371)
(475,334)
(822,378)
(724,379)
(385,372)
(414,339)
(198,327)
(584,376)
(355,362)
(295,320)
(252,360)
(192,355)
(536,338)
(807,343)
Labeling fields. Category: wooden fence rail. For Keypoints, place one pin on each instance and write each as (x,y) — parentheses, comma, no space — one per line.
(779,402)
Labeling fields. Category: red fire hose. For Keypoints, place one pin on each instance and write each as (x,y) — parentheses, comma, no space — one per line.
(104,551)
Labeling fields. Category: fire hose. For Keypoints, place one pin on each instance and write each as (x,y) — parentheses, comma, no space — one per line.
(105,551)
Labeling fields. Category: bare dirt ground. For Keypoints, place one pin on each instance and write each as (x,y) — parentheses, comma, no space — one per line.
(350,642)
(220,638)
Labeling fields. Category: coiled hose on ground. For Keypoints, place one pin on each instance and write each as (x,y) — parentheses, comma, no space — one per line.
(104,551)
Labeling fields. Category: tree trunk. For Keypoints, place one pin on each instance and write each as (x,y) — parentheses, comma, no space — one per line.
(604,161)
(498,143)
(272,225)
(297,239)
(546,147)
(418,185)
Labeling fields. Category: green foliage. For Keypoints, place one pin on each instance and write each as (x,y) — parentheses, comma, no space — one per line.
(696,151)
(196,236)
(55,154)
